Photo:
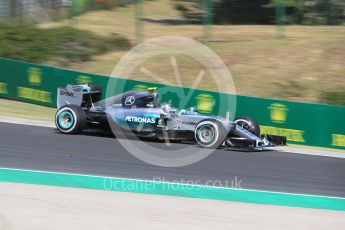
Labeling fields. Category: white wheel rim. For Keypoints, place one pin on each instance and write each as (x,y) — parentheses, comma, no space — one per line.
(58,126)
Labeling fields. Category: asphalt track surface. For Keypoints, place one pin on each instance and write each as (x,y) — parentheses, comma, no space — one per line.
(44,149)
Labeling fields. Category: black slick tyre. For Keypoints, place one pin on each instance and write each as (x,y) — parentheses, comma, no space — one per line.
(70,119)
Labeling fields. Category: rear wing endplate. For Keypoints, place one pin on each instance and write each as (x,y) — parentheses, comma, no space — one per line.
(81,95)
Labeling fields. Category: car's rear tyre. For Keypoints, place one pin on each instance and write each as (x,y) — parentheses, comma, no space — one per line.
(70,119)
(210,134)
(247,123)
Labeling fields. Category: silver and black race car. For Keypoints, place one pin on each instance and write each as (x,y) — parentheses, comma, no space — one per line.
(138,113)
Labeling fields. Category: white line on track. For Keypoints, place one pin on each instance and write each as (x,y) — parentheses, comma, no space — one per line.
(314,151)
(23,121)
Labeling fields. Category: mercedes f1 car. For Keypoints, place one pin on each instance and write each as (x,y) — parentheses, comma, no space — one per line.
(138,112)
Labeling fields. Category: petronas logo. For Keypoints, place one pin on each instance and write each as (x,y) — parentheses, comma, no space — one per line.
(205,103)
(278,112)
(35,76)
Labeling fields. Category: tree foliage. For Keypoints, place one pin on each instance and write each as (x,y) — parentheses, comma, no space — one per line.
(310,12)
(242,12)
(313,12)
(331,12)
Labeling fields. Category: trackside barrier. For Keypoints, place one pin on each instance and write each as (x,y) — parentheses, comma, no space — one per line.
(302,123)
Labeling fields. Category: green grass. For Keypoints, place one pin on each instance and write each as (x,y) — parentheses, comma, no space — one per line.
(335,98)
(301,67)
(304,65)
(63,44)
(9,108)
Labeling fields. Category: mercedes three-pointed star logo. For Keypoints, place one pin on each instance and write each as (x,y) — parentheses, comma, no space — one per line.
(130,100)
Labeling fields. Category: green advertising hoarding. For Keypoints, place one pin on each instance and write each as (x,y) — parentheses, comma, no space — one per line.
(302,123)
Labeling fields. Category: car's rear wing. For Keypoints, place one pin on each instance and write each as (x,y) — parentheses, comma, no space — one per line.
(82,95)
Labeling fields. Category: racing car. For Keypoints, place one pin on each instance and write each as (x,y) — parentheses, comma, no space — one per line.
(139,113)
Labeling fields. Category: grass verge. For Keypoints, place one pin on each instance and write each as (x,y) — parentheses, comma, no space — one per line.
(9,108)
(300,67)
(60,44)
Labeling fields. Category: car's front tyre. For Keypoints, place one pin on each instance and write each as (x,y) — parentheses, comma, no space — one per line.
(247,123)
(70,119)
